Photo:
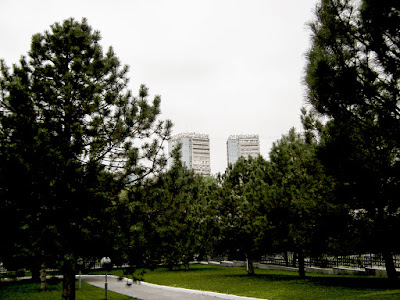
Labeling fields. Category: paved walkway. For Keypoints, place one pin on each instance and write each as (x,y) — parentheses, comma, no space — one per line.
(149,291)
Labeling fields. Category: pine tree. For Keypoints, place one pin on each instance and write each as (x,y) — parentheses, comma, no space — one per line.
(353,79)
(68,120)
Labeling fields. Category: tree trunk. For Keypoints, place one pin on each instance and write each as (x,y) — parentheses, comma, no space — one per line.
(389,264)
(294,260)
(35,269)
(382,229)
(286,257)
(68,280)
(186,266)
(250,267)
(43,274)
(302,272)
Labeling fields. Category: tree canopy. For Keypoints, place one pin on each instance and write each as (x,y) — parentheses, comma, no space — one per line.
(243,210)
(301,197)
(67,120)
(353,78)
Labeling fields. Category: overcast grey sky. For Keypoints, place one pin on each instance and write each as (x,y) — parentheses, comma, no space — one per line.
(221,67)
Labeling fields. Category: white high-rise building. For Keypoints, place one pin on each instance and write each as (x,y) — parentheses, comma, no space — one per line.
(195,151)
(242,145)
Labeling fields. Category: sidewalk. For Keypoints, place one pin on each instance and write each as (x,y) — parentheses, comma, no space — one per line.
(149,291)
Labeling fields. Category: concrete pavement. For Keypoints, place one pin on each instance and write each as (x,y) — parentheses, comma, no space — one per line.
(149,291)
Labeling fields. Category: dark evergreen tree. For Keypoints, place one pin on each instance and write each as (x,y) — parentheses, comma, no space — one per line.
(68,129)
(243,211)
(169,218)
(353,79)
(300,196)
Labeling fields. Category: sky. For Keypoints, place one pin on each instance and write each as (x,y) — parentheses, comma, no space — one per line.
(221,67)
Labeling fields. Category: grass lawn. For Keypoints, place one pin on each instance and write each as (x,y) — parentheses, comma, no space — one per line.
(26,290)
(273,284)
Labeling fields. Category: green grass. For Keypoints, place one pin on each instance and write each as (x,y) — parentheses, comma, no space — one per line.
(12,274)
(26,290)
(273,284)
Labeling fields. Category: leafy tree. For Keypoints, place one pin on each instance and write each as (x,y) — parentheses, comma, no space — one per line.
(68,127)
(243,210)
(169,217)
(345,238)
(352,77)
(208,217)
(300,196)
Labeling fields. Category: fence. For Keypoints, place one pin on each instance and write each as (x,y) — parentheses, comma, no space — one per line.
(353,261)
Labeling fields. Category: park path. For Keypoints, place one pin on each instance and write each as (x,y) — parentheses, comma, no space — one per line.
(149,291)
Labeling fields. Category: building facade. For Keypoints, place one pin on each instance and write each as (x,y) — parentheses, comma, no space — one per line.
(242,145)
(195,151)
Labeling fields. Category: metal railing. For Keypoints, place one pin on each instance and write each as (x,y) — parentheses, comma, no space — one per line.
(353,261)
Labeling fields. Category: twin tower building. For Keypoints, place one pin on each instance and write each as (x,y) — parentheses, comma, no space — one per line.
(196,149)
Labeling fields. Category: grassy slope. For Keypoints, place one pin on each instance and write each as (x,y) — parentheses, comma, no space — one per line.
(30,291)
(273,284)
